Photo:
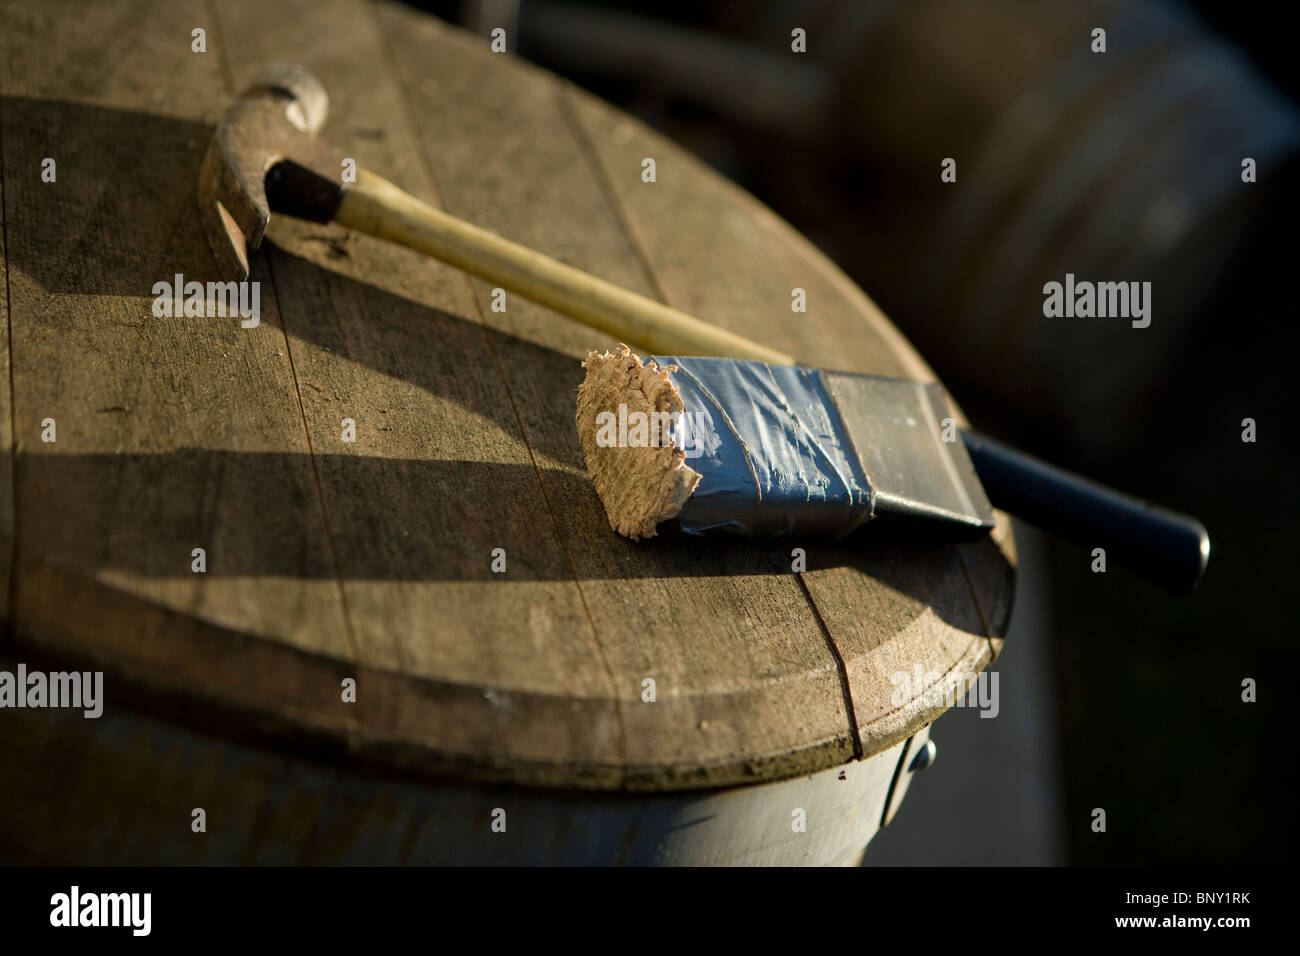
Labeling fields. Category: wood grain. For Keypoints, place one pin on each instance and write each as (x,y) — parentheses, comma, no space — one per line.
(330,559)
(377,207)
(887,608)
(268,808)
(172,433)
(439,475)
(746,686)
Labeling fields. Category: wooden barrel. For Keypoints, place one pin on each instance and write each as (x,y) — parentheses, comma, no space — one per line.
(349,587)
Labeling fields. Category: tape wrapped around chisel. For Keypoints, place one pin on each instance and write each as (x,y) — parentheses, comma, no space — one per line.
(755,449)
(771,453)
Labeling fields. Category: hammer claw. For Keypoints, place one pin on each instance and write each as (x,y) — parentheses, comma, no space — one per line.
(274,118)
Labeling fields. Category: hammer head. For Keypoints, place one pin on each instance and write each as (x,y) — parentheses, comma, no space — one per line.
(266,142)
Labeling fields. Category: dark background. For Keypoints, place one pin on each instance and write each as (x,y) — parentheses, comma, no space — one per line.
(1120,166)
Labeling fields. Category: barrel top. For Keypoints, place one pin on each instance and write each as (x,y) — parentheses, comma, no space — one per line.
(381,482)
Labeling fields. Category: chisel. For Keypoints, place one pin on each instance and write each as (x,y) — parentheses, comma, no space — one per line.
(738,446)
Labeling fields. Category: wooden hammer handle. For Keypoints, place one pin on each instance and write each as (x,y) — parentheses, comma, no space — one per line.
(376,207)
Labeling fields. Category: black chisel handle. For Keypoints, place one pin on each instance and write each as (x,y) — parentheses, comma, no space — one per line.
(1163,546)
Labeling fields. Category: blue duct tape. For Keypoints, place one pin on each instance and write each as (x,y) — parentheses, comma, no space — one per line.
(771,450)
